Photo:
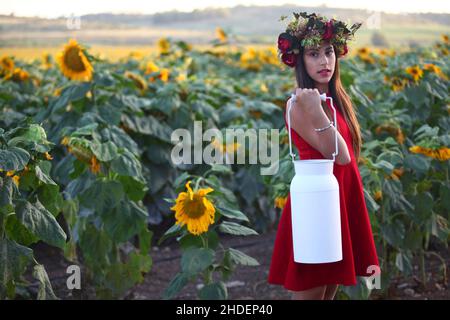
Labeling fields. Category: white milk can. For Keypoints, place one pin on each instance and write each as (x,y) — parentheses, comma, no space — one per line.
(315,209)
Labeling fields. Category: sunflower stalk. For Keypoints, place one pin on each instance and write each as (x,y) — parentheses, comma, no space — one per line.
(197,183)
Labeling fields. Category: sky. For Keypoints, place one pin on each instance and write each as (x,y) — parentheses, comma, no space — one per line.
(57,8)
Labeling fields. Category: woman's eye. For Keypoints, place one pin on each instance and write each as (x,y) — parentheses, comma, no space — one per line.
(315,54)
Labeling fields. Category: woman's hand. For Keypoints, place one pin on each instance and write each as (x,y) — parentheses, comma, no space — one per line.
(308,100)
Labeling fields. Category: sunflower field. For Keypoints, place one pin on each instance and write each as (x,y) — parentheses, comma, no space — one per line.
(85,161)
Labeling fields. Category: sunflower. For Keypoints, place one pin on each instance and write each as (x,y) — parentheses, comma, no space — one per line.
(444,38)
(95,165)
(151,67)
(363,51)
(256,114)
(18,75)
(400,137)
(6,64)
(398,84)
(367,59)
(164,45)
(221,35)
(378,195)
(194,209)
(434,69)
(181,77)
(48,156)
(441,154)
(397,173)
(73,62)
(137,80)
(164,74)
(46,60)
(264,88)
(415,72)
(280,202)
(223,148)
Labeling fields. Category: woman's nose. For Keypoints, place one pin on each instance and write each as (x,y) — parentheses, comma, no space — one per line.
(324,59)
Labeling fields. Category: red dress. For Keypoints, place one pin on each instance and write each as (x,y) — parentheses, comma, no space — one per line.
(358,246)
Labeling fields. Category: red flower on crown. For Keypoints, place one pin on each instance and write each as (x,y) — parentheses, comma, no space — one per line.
(289,59)
(328,30)
(286,42)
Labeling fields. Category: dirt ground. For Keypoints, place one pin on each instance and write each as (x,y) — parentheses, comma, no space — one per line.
(246,283)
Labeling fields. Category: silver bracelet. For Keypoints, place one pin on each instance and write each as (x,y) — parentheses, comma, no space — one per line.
(324,128)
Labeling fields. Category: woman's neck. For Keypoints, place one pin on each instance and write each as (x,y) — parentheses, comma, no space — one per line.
(322,87)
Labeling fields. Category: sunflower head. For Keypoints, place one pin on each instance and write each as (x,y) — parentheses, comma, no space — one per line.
(193,209)
(138,81)
(164,46)
(73,62)
(18,75)
(6,65)
(415,72)
(151,67)
(221,35)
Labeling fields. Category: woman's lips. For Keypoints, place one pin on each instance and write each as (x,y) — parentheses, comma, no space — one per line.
(324,73)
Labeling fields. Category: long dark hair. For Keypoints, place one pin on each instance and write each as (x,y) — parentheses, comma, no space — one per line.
(340,98)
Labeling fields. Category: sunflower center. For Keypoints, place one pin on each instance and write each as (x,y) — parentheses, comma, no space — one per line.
(194,208)
(73,60)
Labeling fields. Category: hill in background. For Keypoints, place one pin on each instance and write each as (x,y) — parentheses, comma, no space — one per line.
(250,25)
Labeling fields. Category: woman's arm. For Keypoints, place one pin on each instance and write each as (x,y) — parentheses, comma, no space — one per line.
(324,141)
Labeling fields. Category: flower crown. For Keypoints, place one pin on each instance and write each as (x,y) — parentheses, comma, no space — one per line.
(308,30)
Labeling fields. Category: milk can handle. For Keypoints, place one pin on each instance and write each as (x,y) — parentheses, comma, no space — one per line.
(322,97)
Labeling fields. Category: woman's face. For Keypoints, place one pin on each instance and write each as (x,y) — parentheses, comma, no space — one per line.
(320,62)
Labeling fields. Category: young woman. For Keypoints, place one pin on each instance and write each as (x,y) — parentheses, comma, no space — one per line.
(312,46)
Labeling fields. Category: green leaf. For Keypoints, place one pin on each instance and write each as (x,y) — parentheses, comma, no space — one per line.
(403,262)
(126,164)
(45,291)
(134,189)
(103,195)
(172,231)
(195,260)
(417,162)
(214,291)
(139,264)
(145,240)
(42,176)
(124,221)
(104,151)
(190,240)
(236,229)
(13,159)
(51,198)
(120,138)
(41,223)
(6,191)
(177,283)
(149,126)
(385,166)
(232,213)
(394,233)
(221,168)
(87,130)
(16,231)
(14,260)
(423,205)
(96,246)
(238,257)
(372,205)
(70,93)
